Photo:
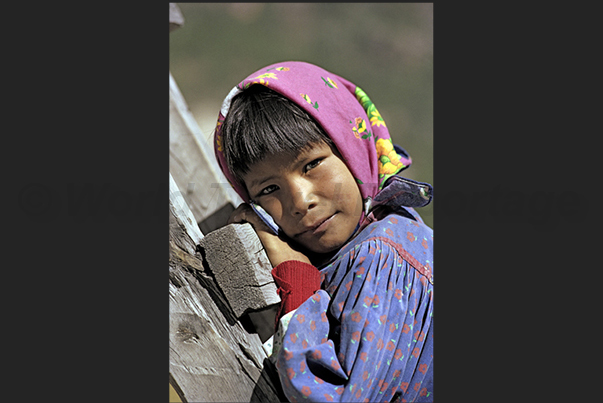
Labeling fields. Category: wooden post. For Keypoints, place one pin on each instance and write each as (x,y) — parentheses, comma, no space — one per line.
(195,169)
(192,161)
(219,315)
(241,268)
(214,357)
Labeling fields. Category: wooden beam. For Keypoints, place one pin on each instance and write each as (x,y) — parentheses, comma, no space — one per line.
(182,221)
(213,356)
(194,167)
(239,264)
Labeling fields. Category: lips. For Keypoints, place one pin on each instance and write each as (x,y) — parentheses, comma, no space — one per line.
(317,226)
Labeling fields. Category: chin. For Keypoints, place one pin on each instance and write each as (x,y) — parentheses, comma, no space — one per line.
(325,246)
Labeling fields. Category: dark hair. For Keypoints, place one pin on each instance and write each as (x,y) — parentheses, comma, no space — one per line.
(260,123)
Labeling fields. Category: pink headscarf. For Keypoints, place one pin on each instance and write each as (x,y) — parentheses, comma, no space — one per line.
(342,109)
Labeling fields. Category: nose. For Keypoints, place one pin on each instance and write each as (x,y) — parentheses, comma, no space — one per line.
(302,196)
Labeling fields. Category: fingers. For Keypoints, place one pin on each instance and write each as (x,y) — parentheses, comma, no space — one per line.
(277,248)
(239,215)
(245,214)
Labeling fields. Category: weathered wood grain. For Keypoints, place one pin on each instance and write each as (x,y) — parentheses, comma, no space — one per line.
(194,167)
(182,221)
(239,264)
(213,356)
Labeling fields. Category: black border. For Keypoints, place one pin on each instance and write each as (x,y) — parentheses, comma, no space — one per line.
(87,316)
(511,108)
(89,102)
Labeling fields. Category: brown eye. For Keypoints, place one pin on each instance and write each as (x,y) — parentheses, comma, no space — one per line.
(312,164)
(267,190)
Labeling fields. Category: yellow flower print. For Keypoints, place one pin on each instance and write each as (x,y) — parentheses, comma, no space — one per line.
(279,69)
(267,75)
(308,100)
(361,125)
(376,118)
(360,128)
(372,112)
(261,80)
(329,82)
(389,160)
(384,146)
(219,138)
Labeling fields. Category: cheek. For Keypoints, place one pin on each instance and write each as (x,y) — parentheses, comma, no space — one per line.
(347,198)
(359,205)
(274,208)
(335,185)
(355,206)
(347,191)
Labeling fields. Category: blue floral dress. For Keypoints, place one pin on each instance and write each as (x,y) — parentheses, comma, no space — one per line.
(367,335)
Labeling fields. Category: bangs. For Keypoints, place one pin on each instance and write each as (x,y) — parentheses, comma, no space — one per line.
(261,123)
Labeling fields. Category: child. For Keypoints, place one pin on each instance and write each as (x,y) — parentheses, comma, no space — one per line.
(352,259)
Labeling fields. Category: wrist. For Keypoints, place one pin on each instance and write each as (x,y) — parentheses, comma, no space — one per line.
(279,251)
(297,281)
(297,274)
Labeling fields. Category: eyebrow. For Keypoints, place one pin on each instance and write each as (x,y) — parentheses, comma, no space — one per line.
(299,159)
(256,182)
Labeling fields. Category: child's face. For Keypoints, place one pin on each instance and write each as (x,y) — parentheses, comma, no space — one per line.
(313,197)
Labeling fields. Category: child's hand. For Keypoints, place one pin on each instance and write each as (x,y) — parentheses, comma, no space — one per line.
(278,248)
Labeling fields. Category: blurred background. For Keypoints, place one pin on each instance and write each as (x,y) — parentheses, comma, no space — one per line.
(384,48)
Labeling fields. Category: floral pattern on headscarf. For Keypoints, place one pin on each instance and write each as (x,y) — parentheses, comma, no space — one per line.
(343,110)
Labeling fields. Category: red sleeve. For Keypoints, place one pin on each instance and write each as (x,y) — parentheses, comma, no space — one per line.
(297,281)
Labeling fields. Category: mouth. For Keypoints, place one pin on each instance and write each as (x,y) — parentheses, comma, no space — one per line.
(318,226)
